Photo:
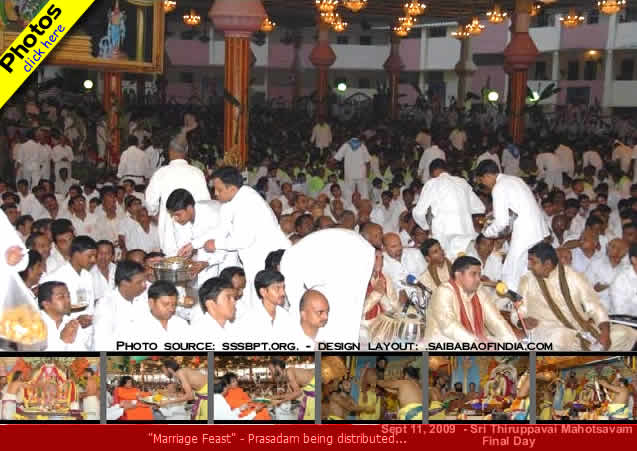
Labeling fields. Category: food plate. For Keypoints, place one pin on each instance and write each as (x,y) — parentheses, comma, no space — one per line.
(78,307)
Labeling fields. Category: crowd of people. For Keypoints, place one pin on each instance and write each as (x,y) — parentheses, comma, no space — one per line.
(335,232)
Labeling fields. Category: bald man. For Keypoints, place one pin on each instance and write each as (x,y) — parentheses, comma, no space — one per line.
(401,262)
(315,310)
(373,233)
(605,269)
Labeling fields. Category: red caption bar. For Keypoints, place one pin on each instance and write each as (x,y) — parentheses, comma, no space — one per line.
(448,436)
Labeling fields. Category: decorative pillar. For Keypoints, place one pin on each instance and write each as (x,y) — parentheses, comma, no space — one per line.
(519,55)
(238,19)
(322,57)
(394,65)
(112,106)
(465,68)
(609,64)
(422,80)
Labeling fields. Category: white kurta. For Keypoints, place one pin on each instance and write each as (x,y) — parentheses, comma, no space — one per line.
(452,202)
(510,163)
(549,169)
(75,283)
(101,285)
(54,341)
(429,155)
(411,263)
(511,193)
(55,260)
(601,271)
(149,327)
(133,164)
(113,313)
(137,238)
(565,155)
(206,329)
(623,293)
(339,264)
(177,174)
(257,325)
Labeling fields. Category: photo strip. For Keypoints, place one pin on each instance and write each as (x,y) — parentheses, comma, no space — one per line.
(371,388)
(479,388)
(586,388)
(49,388)
(159,388)
(265,388)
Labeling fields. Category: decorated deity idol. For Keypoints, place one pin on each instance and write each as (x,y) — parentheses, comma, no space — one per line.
(110,44)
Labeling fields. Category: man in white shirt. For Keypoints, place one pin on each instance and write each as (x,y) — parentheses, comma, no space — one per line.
(321,134)
(401,262)
(491,154)
(160,324)
(565,154)
(511,159)
(482,249)
(177,174)
(103,272)
(155,158)
(267,321)
(252,228)
(83,221)
(121,306)
(128,222)
(63,333)
(201,221)
(452,203)
(591,158)
(217,298)
(133,164)
(315,310)
(63,182)
(623,290)
(549,169)
(107,217)
(357,166)
(430,154)
(586,252)
(28,157)
(604,270)
(61,154)
(511,194)
(385,214)
(62,233)
(144,234)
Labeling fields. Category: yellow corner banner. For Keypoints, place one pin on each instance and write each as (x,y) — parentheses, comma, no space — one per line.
(36,42)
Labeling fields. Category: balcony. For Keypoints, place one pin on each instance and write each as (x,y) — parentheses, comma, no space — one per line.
(442,53)
(547,39)
(624,93)
(626,37)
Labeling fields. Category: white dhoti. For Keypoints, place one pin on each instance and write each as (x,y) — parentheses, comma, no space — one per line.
(9,403)
(362,185)
(91,407)
(175,412)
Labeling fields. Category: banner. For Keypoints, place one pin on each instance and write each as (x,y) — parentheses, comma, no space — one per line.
(36,42)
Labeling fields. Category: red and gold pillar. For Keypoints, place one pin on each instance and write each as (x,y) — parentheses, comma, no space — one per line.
(238,19)
(112,107)
(394,66)
(322,57)
(519,55)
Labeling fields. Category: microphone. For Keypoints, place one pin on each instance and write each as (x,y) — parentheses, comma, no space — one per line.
(413,281)
(502,289)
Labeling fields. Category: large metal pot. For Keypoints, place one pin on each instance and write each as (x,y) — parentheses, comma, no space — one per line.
(173,270)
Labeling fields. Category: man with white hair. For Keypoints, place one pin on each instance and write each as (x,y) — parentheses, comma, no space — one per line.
(177,174)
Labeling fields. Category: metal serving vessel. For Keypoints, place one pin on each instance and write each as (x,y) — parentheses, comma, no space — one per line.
(173,270)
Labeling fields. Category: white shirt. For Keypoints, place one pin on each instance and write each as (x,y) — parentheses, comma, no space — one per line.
(432,153)
(548,162)
(411,262)
(623,293)
(59,153)
(133,163)
(206,329)
(387,218)
(581,263)
(55,260)
(592,158)
(30,155)
(321,136)
(565,155)
(493,266)
(510,163)
(177,174)
(55,342)
(30,205)
(155,160)
(600,271)
(177,330)
(355,160)
(137,238)
(258,326)
(113,313)
(86,226)
(101,285)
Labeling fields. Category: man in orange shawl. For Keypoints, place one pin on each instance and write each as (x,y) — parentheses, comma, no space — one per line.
(128,397)
(236,397)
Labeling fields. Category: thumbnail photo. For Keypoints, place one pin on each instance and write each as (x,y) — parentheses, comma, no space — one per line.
(157,388)
(586,388)
(264,388)
(371,388)
(49,388)
(479,388)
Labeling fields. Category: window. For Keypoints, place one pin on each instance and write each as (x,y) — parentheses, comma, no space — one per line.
(540,71)
(435,75)
(578,96)
(592,17)
(590,70)
(573,70)
(185,77)
(627,69)
(365,40)
(364,83)
(342,40)
(437,32)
